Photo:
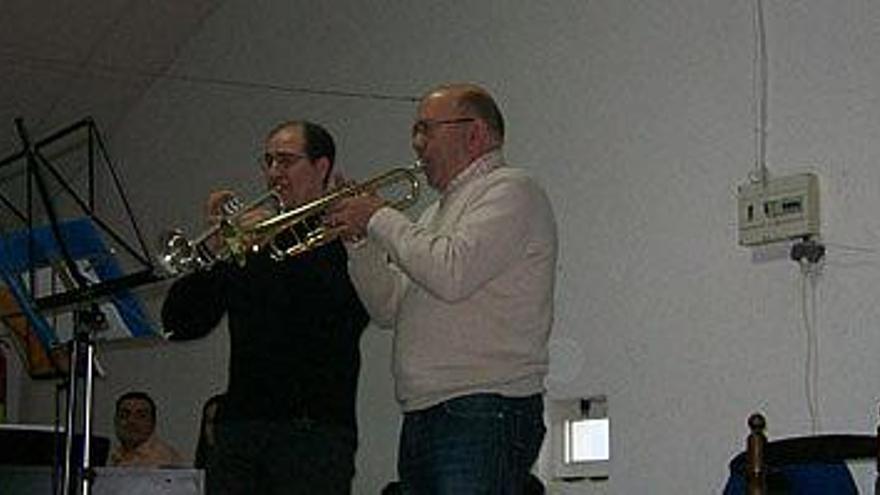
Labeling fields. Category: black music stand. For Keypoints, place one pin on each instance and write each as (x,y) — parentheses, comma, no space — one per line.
(40,235)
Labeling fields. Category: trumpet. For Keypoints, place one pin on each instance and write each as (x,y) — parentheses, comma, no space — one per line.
(180,255)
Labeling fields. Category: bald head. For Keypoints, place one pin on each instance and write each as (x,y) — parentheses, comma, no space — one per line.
(472,99)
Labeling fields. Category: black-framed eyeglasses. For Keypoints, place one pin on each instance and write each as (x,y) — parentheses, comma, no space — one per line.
(425,126)
(282,159)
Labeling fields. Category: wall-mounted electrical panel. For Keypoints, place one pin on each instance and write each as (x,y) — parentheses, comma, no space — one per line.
(779,209)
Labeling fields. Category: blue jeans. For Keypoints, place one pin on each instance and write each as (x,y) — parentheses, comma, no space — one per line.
(477,444)
(274,458)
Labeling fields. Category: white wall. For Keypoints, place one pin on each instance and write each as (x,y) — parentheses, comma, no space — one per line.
(639,118)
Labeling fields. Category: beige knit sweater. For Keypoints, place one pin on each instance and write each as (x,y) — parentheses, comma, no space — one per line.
(468,289)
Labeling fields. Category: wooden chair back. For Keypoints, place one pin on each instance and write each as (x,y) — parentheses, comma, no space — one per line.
(761,455)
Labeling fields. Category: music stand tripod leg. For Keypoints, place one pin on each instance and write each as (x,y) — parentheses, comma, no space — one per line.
(77,479)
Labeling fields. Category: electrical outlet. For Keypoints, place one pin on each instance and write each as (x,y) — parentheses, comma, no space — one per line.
(783,208)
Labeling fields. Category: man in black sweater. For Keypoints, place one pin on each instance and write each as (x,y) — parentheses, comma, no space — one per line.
(288,419)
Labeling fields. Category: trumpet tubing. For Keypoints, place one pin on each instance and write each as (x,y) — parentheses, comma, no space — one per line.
(268,230)
(180,255)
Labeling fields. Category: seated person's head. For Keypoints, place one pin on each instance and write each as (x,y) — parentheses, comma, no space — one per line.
(207,436)
(135,418)
(209,413)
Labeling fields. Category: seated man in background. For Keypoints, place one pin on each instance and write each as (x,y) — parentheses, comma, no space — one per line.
(139,445)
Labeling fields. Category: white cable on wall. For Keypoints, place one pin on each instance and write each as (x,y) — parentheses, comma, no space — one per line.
(809,278)
(809,270)
(760,92)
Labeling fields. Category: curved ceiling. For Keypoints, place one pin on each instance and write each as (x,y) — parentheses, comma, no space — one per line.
(63,60)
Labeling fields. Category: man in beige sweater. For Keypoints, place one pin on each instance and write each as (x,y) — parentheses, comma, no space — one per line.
(468,290)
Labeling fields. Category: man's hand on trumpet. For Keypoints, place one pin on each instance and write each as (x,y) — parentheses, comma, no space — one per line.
(350,216)
(224,204)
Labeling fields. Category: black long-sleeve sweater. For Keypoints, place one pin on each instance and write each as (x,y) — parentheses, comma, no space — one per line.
(295,327)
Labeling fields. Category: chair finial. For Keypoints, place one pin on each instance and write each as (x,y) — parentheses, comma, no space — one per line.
(757,423)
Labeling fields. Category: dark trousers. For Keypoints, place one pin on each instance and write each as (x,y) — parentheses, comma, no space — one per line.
(477,444)
(298,457)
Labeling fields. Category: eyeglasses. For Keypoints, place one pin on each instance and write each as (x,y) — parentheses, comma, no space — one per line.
(283,159)
(425,126)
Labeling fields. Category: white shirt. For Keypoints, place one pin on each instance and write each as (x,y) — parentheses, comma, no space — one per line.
(468,288)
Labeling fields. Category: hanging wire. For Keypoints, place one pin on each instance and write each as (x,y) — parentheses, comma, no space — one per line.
(760,91)
(849,249)
(111,71)
(809,275)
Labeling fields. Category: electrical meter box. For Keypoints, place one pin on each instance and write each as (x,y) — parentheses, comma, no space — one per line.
(779,209)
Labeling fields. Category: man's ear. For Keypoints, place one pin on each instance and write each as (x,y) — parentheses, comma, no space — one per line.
(323,166)
(478,138)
